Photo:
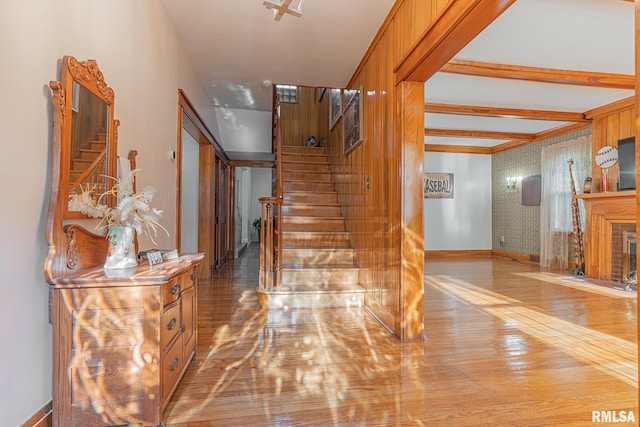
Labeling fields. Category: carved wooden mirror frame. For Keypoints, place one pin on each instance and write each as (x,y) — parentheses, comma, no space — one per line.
(82,103)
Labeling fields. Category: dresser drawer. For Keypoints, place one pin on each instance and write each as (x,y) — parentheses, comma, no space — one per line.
(172,365)
(171,290)
(171,324)
(189,278)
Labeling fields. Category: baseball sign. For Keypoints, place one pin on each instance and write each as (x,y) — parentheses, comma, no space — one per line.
(607,156)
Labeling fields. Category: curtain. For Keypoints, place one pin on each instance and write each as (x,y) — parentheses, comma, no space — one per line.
(556,221)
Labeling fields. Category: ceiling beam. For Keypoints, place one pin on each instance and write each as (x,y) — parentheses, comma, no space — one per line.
(512,113)
(455,26)
(460,149)
(478,134)
(541,75)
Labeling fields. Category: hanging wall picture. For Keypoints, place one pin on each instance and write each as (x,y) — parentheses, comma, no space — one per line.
(352,121)
(437,185)
(335,106)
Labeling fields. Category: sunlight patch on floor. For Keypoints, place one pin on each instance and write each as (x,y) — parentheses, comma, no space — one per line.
(614,356)
(579,284)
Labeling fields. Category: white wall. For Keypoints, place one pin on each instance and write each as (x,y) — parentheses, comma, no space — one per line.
(189,194)
(245,130)
(260,187)
(464,222)
(245,174)
(143,61)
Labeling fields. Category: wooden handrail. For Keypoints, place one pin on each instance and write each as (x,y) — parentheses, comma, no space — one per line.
(92,174)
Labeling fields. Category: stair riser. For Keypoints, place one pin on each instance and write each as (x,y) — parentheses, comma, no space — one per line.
(309,257)
(98,145)
(303,158)
(306,176)
(300,150)
(318,277)
(89,155)
(317,224)
(325,240)
(310,210)
(308,186)
(292,300)
(80,164)
(305,167)
(314,198)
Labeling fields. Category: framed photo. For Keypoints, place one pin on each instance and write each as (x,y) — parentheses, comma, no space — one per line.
(335,106)
(352,122)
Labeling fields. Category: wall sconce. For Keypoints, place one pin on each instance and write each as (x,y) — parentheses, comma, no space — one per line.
(512,182)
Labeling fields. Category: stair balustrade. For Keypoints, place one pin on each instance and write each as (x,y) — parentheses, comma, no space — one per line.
(271,209)
(269,276)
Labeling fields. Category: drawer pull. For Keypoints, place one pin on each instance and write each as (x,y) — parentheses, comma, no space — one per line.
(174,364)
(176,289)
(193,276)
(171,324)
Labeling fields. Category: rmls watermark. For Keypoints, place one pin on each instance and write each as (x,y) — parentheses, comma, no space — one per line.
(613,417)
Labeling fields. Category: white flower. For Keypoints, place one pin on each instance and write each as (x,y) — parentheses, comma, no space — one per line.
(133,209)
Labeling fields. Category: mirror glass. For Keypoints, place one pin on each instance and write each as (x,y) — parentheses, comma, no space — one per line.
(87,139)
(89,145)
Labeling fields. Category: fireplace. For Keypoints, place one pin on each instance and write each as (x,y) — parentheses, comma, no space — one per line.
(628,252)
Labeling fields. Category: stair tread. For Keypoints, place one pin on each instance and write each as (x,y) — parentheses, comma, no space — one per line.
(317,232)
(312,249)
(324,267)
(307,288)
(307,204)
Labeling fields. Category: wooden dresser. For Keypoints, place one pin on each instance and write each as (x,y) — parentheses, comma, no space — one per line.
(122,344)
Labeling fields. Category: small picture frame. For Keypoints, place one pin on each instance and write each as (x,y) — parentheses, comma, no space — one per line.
(352,119)
(335,106)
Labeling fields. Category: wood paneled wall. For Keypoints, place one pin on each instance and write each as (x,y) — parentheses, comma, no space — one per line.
(370,178)
(300,120)
(609,124)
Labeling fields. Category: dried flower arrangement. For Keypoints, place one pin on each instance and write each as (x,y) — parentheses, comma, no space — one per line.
(132,210)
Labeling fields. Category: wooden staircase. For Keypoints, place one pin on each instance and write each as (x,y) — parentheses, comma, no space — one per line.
(317,261)
(85,159)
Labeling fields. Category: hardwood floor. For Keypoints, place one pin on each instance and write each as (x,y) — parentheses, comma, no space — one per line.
(505,345)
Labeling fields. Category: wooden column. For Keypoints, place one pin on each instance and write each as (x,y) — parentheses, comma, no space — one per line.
(637,121)
(410,322)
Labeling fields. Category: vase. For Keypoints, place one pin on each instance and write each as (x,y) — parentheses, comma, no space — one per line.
(121,252)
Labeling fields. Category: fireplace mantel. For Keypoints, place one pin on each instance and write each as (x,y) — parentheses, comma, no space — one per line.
(602,211)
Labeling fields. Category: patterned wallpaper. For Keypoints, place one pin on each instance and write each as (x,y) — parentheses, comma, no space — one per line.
(520,225)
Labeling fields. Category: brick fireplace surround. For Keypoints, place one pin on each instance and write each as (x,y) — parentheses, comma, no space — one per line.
(618,251)
(608,216)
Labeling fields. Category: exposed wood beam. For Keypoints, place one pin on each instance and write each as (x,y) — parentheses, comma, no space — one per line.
(541,75)
(252,163)
(608,109)
(513,113)
(540,136)
(465,149)
(478,134)
(459,23)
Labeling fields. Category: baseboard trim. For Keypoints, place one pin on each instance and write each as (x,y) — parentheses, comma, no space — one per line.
(520,257)
(532,258)
(467,253)
(42,418)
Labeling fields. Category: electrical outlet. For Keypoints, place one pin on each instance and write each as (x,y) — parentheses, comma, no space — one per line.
(502,240)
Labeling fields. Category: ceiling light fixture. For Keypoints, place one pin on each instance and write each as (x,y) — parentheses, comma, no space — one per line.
(280,7)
